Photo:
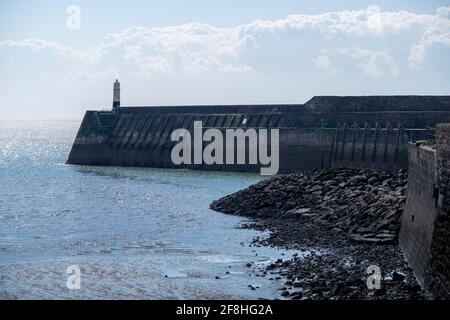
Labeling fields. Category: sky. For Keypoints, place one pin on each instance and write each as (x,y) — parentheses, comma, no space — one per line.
(60,58)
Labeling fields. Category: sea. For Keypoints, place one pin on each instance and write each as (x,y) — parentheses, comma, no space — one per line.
(90,232)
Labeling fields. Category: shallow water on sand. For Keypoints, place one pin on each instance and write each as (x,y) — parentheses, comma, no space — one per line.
(134,232)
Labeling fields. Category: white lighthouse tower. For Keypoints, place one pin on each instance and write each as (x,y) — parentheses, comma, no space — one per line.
(116,96)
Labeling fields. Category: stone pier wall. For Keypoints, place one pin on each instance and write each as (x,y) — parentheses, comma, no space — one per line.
(425,231)
(420,212)
(439,262)
(354,132)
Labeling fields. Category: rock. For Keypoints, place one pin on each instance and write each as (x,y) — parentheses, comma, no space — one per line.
(357,179)
(301,210)
(344,199)
(397,276)
(296,295)
(372,180)
(284,293)
(361,207)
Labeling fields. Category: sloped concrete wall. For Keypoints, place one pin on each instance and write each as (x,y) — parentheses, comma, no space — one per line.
(142,138)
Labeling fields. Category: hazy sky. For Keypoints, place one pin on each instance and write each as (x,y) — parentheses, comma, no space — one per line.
(215,52)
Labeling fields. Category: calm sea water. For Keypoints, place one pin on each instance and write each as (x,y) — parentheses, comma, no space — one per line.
(134,233)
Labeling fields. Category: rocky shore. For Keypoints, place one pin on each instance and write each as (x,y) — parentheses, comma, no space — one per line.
(343,220)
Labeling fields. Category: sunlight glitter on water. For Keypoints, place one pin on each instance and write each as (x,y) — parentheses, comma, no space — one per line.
(134,232)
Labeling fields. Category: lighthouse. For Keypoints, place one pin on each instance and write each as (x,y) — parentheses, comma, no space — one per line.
(116,96)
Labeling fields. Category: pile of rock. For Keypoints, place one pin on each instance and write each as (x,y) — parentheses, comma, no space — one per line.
(366,204)
(335,275)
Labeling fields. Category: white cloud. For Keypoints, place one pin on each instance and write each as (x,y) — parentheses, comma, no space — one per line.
(323,62)
(436,33)
(197,47)
(369,22)
(192,47)
(373,63)
(92,55)
(379,64)
(133,55)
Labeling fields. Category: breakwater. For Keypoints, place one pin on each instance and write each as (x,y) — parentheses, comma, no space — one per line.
(356,132)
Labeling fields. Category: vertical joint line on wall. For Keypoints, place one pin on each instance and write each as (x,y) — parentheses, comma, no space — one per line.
(363,153)
(386,141)
(332,147)
(355,131)
(337,141)
(344,128)
(374,154)
(397,142)
(322,156)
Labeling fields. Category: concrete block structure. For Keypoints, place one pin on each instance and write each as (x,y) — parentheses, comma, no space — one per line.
(425,231)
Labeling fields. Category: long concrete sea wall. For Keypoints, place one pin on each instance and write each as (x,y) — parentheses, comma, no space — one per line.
(369,131)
